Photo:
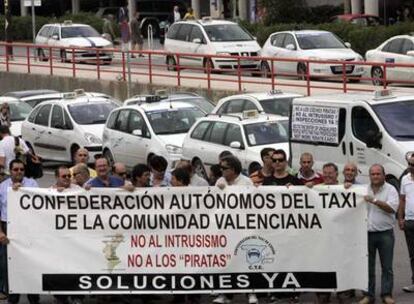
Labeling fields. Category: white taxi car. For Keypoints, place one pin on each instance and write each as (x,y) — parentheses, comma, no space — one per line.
(134,133)
(55,129)
(243,135)
(273,102)
(396,50)
(309,45)
(72,35)
(18,113)
(210,37)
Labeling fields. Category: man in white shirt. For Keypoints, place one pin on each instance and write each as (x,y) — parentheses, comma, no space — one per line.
(382,204)
(195,179)
(8,147)
(406,215)
(177,15)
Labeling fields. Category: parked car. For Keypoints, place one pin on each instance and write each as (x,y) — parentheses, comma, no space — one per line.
(273,102)
(55,129)
(309,45)
(18,113)
(211,37)
(28,93)
(194,99)
(396,50)
(62,36)
(360,19)
(244,135)
(134,133)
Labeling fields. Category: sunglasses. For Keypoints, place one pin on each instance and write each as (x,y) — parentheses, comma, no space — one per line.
(18,169)
(278,160)
(224,168)
(66,176)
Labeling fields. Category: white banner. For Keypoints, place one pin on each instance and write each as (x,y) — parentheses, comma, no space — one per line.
(315,124)
(189,240)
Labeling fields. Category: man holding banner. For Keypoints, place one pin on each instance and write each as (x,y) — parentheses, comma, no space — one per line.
(15,181)
(382,202)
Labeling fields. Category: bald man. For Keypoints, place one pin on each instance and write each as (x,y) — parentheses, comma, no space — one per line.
(82,157)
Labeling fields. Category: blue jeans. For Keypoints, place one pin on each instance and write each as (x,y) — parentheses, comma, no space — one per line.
(383,241)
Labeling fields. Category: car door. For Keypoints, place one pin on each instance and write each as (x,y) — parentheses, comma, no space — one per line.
(58,133)
(274,49)
(234,134)
(407,73)
(118,135)
(392,54)
(285,52)
(214,143)
(41,140)
(183,37)
(197,44)
(364,129)
(137,140)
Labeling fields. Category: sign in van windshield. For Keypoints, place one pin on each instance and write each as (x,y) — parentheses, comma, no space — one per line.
(315,124)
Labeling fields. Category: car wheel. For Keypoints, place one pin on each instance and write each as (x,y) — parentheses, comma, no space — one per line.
(208,66)
(301,71)
(41,55)
(109,157)
(63,56)
(199,169)
(265,69)
(377,76)
(171,64)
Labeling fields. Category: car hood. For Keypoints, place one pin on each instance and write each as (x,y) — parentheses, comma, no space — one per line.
(173,139)
(87,42)
(16,128)
(241,46)
(96,130)
(330,54)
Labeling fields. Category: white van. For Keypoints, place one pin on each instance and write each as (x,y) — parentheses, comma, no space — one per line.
(210,37)
(364,128)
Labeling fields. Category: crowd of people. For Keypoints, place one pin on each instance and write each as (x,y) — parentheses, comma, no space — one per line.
(384,203)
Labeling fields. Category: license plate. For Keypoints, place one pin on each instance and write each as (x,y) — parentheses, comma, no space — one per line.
(348,68)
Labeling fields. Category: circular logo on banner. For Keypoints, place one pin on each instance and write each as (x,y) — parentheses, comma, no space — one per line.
(257,252)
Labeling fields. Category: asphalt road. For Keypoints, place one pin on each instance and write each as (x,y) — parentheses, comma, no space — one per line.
(402,274)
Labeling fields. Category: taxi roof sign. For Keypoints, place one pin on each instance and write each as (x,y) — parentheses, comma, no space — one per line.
(250,114)
(381,94)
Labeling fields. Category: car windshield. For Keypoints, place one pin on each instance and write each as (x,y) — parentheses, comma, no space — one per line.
(267,133)
(79,31)
(227,32)
(173,121)
(397,118)
(279,106)
(309,41)
(91,113)
(19,111)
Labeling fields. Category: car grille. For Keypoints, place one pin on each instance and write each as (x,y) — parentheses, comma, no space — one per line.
(246,54)
(337,69)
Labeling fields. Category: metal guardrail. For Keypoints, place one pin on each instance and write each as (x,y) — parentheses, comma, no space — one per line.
(163,64)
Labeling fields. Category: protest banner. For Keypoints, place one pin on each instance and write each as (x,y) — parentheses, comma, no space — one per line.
(187,240)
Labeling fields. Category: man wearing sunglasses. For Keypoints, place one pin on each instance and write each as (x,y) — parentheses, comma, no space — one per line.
(280,176)
(63,179)
(15,181)
(406,215)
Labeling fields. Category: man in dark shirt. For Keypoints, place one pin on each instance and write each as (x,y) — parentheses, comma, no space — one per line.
(104,179)
(280,176)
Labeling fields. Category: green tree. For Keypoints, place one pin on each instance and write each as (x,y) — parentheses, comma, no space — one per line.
(283,11)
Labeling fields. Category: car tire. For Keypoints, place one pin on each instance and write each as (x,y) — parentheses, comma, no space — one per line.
(171,64)
(265,69)
(377,76)
(302,71)
(109,157)
(41,55)
(63,56)
(199,169)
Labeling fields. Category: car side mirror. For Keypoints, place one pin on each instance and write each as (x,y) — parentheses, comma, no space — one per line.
(55,36)
(374,140)
(197,40)
(236,145)
(137,132)
(348,45)
(290,47)
(410,53)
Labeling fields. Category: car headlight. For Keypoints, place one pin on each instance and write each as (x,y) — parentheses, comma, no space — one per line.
(92,139)
(173,149)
